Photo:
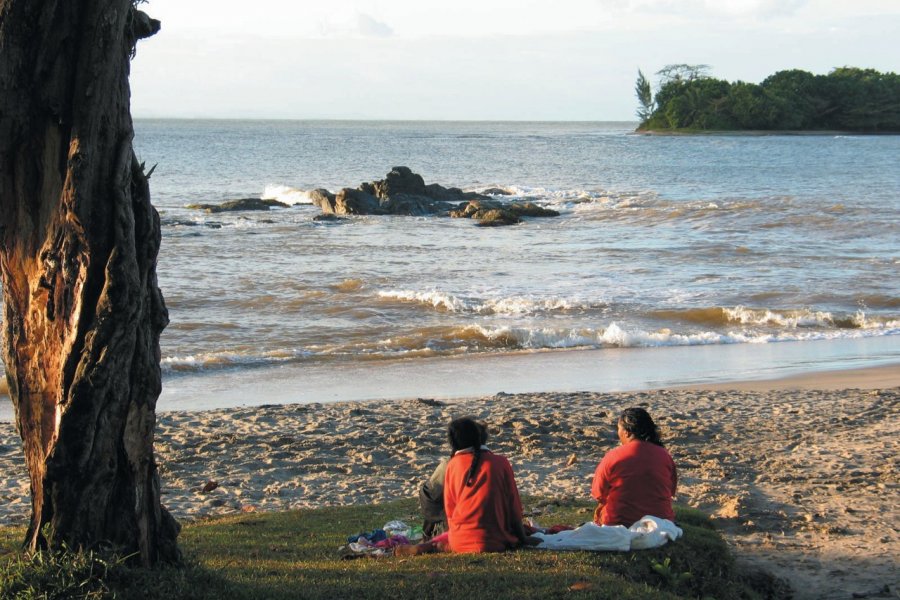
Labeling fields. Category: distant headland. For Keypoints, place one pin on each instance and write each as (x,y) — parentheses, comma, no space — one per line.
(848,99)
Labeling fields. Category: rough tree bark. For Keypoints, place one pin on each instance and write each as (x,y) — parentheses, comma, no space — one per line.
(78,247)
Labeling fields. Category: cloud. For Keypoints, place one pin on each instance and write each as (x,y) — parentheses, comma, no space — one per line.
(756,8)
(700,9)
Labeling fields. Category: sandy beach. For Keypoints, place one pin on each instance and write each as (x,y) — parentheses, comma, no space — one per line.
(800,473)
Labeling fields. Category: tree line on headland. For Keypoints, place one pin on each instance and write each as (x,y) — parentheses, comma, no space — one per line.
(688,99)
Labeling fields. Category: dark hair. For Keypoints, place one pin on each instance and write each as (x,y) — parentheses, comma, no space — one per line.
(638,423)
(466,432)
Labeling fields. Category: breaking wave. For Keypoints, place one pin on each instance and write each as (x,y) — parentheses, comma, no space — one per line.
(286,194)
(511,305)
(474,339)
(785,319)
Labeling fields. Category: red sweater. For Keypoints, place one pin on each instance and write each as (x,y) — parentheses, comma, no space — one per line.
(480,517)
(634,480)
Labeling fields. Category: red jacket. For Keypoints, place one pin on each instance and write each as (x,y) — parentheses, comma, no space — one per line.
(634,480)
(480,517)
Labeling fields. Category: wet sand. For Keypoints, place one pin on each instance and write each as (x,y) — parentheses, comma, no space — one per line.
(800,473)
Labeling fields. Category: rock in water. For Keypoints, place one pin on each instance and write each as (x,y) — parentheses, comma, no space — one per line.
(403,192)
(497,218)
(415,206)
(323,199)
(356,202)
(239,205)
(329,217)
(530,209)
(476,209)
(436,191)
(401,180)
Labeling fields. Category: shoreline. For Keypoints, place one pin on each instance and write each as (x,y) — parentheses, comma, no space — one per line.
(224,391)
(563,370)
(867,378)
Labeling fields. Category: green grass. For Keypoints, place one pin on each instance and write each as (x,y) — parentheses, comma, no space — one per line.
(295,555)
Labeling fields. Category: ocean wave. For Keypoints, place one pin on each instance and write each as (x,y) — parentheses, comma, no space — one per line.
(879,301)
(648,205)
(649,208)
(552,196)
(619,336)
(348,285)
(504,305)
(228,359)
(784,319)
(613,336)
(477,339)
(286,194)
(481,337)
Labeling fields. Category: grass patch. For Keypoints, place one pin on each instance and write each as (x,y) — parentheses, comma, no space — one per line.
(294,555)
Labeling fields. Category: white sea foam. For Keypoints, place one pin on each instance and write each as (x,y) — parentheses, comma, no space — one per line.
(552,196)
(225,359)
(789,319)
(286,194)
(619,336)
(437,299)
(612,336)
(805,318)
(520,305)
(501,305)
(480,338)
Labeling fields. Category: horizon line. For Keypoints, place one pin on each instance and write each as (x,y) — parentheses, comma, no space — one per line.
(381,119)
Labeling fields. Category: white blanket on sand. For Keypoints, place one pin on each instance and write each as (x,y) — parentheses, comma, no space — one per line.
(649,532)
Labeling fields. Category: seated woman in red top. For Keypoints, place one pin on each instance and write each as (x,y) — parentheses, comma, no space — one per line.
(636,479)
(481,500)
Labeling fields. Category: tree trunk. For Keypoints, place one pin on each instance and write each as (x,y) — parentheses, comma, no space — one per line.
(78,246)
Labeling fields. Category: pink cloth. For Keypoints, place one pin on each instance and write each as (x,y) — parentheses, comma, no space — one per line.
(444,538)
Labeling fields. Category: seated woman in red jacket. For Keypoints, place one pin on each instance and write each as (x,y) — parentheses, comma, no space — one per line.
(481,500)
(636,479)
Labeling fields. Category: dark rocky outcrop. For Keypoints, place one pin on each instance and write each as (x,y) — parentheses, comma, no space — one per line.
(323,199)
(401,180)
(328,218)
(438,192)
(403,192)
(356,202)
(416,206)
(493,213)
(239,205)
(497,217)
(530,209)
(183,223)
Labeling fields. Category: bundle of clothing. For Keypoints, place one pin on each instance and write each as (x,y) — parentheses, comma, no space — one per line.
(648,532)
(380,542)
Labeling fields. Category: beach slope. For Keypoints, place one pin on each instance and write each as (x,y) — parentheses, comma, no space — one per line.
(803,481)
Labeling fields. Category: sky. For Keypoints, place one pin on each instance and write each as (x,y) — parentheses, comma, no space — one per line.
(538,60)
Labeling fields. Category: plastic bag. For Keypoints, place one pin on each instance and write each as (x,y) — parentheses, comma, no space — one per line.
(393,528)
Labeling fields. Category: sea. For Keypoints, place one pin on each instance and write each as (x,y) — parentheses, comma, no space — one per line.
(675,259)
